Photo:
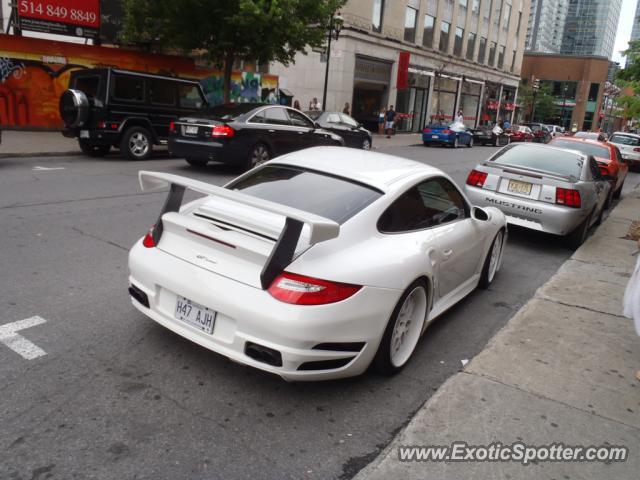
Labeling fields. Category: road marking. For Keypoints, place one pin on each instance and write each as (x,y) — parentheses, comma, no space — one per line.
(44,169)
(17,342)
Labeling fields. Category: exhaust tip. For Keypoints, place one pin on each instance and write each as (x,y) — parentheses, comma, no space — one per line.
(263,354)
(139,295)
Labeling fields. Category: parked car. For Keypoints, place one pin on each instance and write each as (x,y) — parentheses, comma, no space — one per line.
(609,159)
(629,146)
(245,134)
(555,130)
(314,265)
(483,135)
(107,107)
(443,135)
(541,132)
(520,133)
(353,134)
(599,136)
(543,188)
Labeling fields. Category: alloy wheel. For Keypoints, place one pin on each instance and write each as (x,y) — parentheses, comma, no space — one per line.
(259,155)
(139,144)
(408,326)
(494,259)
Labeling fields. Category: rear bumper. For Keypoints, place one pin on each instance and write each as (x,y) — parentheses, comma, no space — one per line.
(249,314)
(446,139)
(210,150)
(541,216)
(93,136)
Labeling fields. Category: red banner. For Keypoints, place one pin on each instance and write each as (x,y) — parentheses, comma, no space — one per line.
(78,18)
(402,81)
(492,104)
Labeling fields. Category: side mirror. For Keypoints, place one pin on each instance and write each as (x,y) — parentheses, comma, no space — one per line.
(480,214)
(316,125)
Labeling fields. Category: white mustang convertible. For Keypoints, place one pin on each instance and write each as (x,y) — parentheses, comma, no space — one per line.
(316,264)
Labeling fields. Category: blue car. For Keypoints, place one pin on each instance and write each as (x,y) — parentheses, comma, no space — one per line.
(443,135)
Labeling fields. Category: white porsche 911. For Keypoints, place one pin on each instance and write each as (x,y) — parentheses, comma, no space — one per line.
(315,264)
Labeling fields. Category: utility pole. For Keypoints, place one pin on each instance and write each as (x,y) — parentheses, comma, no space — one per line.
(535,86)
(335,25)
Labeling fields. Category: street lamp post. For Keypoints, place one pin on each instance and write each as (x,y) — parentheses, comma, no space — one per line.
(335,25)
(564,100)
(535,86)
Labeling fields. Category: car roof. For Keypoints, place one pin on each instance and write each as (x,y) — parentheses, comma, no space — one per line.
(629,134)
(372,168)
(583,140)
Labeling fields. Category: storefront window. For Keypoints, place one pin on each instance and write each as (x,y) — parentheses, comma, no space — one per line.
(593,92)
(427,34)
(508,104)
(444,36)
(469,101)
(410,19)
(412,103)
(443,101)
(490,103)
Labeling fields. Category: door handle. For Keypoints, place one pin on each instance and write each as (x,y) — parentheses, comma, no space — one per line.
(447,253)
(300,133)
(271,130)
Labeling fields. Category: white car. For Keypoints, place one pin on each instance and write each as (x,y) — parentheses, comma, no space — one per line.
(555,130)
(315,264)
(629,146)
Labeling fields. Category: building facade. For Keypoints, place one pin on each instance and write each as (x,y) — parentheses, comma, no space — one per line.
(635,31)
(591,27)
(463,55)
(545,27)
(576,81)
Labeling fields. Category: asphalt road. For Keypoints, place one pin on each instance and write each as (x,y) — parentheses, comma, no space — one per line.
(117,396)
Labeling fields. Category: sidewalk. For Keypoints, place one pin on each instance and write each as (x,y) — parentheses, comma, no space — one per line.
(397,140)
(561,371)
(37,144)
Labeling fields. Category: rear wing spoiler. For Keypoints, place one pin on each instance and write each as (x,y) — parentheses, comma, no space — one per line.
(320,228)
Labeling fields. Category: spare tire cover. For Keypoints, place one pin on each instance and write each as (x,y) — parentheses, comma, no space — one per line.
(74,108)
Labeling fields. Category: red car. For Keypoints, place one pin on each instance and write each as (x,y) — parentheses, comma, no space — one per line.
(607,155)
(520,133)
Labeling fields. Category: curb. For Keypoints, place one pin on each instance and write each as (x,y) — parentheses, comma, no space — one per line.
(39,154)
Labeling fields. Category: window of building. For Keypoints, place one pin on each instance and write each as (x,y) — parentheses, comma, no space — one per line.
(482,49)
(471,44)
(444,36)
(378,10)
(492,53)
(427,34)
(513,61)
(497,12)
(457,41)
(501,57)
(410,19)
(519,24)
(475,6)
(506,17)
(593,92)
(463,3)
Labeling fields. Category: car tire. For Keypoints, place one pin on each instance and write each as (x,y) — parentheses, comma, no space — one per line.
(197,162)
(455,142)
(579,234)
(427,144)
(608,201)
(93,150)
(258,154)
(492,260)
(366,144)
(136,143)
(392,356)
(618,193)
(470,144)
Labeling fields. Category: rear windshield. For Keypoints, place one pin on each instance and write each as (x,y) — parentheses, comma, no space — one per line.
(534,127)
(541,158)
(584,147)
(335,198)
(88,85)
(230,111)
(625,140)
(589,135)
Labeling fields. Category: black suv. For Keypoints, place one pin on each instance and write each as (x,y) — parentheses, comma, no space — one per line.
(106,107)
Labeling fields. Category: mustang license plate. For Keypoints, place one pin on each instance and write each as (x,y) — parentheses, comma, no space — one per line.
(515,186)
(191,130)
(84,133)
(194,314)
(434,136)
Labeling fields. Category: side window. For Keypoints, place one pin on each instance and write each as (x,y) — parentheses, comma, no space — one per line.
(346,119)
(298,119)
(162,92)
(189,96)
(88,85)
(258,118)
(276,116)
(333,118)
(595,170)
(129,89)
(618,155)
(432,203)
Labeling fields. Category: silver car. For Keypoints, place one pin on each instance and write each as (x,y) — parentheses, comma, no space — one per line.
(629,146)
(543,188)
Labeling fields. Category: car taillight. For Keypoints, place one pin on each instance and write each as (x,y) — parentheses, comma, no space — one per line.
(476,178)
(102,125)
(172,126)
(447,132)
(568,197)
(222,131)
(300,290)
(604,170)
(637,149)
(148,240)
(426,130)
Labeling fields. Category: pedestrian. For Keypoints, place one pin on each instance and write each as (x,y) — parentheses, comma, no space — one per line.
(389,118)
(296,105)
(346,109)
(381,116)
(632,299)
(315,105)
(310,104)
(460,117)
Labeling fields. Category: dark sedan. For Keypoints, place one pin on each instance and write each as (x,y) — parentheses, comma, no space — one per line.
(354,134)
(483,135)
(245,134)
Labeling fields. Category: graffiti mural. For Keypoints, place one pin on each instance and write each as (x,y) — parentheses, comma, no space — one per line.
(34,73)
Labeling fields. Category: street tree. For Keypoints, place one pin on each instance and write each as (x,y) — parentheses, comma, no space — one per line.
(628,80)
(540,103)
(230,30)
